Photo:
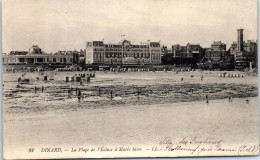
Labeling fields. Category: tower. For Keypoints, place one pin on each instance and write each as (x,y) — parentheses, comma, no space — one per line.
(240,45)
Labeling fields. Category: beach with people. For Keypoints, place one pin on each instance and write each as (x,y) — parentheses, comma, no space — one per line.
(127,108)
(121,89)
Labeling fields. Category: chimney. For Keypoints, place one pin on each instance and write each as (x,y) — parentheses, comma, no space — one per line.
(240,46)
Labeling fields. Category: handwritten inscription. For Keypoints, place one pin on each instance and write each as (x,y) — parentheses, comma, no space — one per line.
(189,145)
(248,149)
(197,145)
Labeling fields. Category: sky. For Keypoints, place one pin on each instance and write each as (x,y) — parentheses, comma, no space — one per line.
(69,24)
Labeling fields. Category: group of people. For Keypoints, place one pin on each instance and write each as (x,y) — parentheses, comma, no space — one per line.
(35,89)
(78,94)
(230,99)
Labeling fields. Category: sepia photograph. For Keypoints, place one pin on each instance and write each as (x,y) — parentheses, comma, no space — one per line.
(129,79)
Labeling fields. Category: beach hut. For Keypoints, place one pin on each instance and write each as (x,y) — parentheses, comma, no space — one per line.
(88,79)
(78,79)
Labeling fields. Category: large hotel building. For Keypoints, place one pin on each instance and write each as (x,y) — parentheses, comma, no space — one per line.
(123,53)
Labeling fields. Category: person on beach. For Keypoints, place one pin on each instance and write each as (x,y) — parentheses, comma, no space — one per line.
(111,95)
(35,89)
(69,93)
(138,93)
(207,99)
(230,99)
(42,88)
(79,95)
(99,91)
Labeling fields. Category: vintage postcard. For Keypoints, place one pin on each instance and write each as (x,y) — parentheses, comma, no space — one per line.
(123,79)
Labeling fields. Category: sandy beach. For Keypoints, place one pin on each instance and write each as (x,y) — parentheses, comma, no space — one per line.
(166,108)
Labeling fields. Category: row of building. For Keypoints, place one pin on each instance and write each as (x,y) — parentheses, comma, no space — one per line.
(240,55)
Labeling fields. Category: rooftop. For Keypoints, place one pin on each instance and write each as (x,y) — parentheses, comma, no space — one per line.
(218,43)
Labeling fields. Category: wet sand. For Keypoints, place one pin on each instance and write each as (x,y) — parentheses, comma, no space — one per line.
(134,88)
